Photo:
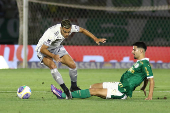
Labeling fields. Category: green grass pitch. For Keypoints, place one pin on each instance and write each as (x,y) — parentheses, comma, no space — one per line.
(42,99)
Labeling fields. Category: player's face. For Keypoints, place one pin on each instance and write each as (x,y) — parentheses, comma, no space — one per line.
(136,52)
(65,32)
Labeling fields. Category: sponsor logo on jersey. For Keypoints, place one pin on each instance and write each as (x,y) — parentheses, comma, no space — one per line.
(136,65)
(56,33)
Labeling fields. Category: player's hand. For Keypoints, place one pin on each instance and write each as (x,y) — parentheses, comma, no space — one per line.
(149,98)
(57,58)
(98,40)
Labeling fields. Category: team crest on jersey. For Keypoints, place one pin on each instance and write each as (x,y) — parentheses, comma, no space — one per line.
(48,41)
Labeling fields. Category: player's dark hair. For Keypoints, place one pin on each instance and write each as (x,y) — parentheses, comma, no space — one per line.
(140,45)
(66,23)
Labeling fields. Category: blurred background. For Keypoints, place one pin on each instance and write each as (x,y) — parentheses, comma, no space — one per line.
(121,22)
(9,22)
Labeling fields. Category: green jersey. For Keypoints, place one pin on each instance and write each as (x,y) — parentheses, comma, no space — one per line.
(135,76)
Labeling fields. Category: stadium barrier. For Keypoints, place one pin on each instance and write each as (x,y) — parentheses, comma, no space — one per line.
(93,57)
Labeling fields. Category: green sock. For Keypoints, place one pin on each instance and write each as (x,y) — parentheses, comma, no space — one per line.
(63,95)
(79,94)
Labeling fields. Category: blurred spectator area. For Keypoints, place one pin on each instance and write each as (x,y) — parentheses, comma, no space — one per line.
(8,9)
(9,22)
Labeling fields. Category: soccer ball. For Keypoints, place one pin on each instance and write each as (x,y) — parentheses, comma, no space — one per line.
(24,92)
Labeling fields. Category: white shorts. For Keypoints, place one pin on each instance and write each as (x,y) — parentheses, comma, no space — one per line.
(61,51)
(112,90)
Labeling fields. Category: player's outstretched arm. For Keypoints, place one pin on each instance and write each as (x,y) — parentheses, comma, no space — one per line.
(151,88)
(89,34)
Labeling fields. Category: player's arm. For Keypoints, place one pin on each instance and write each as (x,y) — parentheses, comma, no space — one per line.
(89,34)
(151,88)
(144,86)
(148,71)
(45,51)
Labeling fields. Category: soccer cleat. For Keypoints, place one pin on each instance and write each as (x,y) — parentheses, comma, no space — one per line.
(74,88)
(56,92)
(70,96)
(125,97)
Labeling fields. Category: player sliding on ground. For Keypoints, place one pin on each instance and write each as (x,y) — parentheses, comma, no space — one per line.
(49,50)
(139,72)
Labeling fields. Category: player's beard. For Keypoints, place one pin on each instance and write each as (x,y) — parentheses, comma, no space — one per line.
(135,57)
(66,36)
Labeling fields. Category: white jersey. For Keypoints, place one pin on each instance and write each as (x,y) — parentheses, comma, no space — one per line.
(53,38)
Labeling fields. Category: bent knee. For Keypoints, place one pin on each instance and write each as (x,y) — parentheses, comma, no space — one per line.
(72,65)
(52,65)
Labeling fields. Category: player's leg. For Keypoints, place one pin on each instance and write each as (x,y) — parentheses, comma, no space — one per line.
(90,92)
(97,85)
(86,93)
(107,90)
(49,62)
(111,91)
(98,92)
(68,61)
(55,73)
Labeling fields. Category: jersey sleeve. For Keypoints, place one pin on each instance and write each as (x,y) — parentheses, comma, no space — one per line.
(48,38)
(148,70)
(75,28)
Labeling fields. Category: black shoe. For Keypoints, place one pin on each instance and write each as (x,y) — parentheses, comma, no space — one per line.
(68,94)
(74,88)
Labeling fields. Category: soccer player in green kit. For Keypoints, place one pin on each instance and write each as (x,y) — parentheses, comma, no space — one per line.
(133,77)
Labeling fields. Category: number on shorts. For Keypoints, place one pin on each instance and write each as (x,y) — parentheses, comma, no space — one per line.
(120,84)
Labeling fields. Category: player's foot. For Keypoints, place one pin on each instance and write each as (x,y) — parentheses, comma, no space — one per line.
(74,88)
(56,92)
(68,94)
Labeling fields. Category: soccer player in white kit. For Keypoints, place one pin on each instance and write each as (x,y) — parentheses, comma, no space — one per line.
(49,49)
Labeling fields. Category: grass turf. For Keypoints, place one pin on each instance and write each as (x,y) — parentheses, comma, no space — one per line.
(42,99)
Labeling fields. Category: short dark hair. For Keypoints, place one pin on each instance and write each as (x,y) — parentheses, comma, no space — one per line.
(66,23)
(140,45)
